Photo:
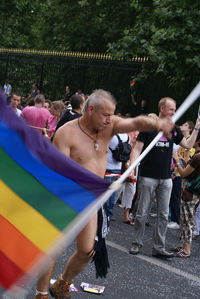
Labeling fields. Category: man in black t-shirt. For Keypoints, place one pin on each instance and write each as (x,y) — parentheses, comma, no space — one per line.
(155,178)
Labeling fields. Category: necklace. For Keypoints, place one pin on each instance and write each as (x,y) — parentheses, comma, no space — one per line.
(96,145)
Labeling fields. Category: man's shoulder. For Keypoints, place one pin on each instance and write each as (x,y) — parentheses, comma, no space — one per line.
(70,125)
(67,131)
(43,112)
(46,111)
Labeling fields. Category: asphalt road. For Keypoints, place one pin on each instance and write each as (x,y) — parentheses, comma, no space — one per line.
(136,277)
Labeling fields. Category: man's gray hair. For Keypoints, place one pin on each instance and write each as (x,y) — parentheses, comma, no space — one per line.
(97,97)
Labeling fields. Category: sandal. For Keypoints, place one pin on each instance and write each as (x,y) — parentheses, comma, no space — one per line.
(177,249)
(128,222)
(183,254)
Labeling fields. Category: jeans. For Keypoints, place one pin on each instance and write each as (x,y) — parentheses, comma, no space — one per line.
(111,200)
(147,188)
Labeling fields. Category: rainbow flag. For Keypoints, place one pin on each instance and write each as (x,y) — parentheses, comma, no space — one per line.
(41,193)
(132,82)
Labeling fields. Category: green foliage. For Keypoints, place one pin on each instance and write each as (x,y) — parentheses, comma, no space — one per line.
(21,22)
(168,32)
(85,25)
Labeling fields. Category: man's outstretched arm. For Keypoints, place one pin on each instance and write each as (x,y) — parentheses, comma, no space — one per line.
(142,123)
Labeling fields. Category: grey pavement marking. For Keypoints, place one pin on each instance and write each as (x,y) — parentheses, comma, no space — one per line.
(156,262)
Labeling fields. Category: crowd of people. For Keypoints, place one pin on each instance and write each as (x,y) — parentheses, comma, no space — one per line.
(162,177)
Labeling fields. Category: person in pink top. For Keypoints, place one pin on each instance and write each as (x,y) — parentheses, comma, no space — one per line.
(37,116)
(56,109)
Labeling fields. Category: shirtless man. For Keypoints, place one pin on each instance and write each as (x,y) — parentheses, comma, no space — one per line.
(86,141)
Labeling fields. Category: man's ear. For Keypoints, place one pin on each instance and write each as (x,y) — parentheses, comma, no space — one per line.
(90,109)
(161,108)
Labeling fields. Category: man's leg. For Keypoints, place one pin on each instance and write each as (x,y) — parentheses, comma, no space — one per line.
(146,188)
(43,281)
(84,252)
(78,261)
(163,193)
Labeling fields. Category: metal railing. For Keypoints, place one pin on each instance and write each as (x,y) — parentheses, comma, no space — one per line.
(53,70)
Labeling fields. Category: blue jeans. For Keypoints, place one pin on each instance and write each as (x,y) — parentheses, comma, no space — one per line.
(111,200)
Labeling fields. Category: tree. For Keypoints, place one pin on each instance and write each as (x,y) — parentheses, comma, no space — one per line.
(168,33)
(20,23)
(86,25)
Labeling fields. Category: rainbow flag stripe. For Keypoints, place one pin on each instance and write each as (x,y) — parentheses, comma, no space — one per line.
(41,192)
(132,82)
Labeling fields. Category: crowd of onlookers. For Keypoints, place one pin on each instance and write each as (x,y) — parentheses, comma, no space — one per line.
(40,113)
(151,182)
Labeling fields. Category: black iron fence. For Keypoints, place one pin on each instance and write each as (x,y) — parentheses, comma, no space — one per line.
(54,70)
(85,71)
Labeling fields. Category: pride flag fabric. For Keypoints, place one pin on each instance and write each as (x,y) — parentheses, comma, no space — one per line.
(41,192)
(132,82)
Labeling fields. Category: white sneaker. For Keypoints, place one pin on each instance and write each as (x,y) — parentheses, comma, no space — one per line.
(173,225)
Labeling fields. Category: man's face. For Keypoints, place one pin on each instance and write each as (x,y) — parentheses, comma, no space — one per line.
(102,117)
(168,109)
(15,101)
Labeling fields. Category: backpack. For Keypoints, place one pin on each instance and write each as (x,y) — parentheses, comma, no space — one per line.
(122,152)
(194,186)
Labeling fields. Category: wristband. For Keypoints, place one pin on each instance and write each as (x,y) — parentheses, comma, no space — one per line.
(196,129)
